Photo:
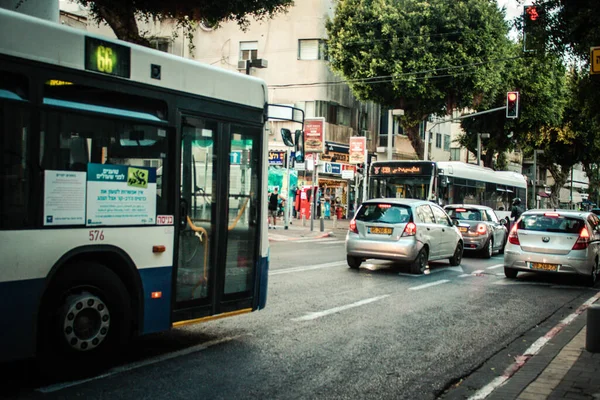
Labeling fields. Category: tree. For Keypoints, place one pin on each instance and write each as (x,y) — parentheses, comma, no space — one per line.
(122,15)
(426,57)
(540,82)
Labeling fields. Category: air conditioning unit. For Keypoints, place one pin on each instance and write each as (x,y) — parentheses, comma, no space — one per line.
(241,64)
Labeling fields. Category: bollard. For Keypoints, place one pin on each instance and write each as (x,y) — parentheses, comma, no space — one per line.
(334,221)
(592,337)
(322,227)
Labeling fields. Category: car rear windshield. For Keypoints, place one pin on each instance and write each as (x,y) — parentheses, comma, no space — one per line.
(386,213)
(470,214)
(551,223)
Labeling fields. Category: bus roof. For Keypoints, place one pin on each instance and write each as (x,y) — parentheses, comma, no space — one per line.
(460,169)
(36,39)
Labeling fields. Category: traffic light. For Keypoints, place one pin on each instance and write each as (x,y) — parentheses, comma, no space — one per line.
(360,168)
(512,105)
(533,28)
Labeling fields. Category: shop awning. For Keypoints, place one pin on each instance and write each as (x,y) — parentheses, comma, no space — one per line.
(543,194)
(565,196)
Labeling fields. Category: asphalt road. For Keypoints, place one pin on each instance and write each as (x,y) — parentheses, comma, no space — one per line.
(335,333)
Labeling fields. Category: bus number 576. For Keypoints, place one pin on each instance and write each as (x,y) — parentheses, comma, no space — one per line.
(96,235)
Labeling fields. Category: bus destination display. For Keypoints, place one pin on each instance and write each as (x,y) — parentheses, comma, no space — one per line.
(107,58)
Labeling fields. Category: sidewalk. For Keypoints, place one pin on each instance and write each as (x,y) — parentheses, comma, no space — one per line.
(561,369)
(297,231)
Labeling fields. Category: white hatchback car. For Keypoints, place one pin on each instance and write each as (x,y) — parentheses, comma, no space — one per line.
(404,230)
(555,242)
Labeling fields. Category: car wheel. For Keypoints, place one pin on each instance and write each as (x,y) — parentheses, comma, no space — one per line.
(501,251)
(510,273)
(457,257)
(353,262)
(488,249)
(420,264)
(593,278)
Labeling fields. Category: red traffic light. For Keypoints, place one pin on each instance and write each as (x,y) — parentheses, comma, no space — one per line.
(532,13)
(512,104)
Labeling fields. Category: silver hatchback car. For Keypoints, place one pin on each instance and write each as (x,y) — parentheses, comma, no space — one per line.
(481,228)
(557,242)
(403,230)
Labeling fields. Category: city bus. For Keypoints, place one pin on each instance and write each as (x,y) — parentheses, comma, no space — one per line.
(447,182)
(132,192)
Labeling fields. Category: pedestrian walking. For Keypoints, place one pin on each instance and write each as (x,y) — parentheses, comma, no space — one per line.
(273,203)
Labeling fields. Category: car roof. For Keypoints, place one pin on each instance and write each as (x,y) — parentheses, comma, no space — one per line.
(566,213)
(475,206)
(406,202)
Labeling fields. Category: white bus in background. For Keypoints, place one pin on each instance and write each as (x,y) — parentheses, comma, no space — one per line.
(132,187)
(447,182)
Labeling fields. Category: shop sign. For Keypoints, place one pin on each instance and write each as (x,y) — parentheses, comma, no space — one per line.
(314,135)
(276,157)
(358,149)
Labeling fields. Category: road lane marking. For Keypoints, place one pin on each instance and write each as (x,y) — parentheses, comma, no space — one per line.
(465,275)
(324,313)
(495,266)
(332,242)
(531,351)
(307,268)
(429,284)
(479,271)
(139,364)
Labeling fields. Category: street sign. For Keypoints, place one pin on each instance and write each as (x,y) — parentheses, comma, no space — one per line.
(235,157)
(595,61)
(348,174)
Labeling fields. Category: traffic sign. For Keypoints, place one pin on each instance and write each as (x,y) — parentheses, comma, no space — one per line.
(595,61)
(235,157)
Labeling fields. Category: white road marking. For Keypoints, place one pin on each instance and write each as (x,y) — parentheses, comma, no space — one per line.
(429,284)
(307,268)
(496,266)
(139,364)
(479,271)
(324,313)
(332,242)
(531,351)
(464,275)
(410,275)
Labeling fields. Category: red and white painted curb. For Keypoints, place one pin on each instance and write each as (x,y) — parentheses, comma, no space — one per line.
(283,238)
(531,351)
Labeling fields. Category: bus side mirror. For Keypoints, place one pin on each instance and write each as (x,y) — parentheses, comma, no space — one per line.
(286,136)
(299,148)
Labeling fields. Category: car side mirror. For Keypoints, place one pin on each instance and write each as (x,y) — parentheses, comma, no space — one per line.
(455,222)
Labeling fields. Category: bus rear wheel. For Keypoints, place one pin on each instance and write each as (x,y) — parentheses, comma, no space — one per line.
(86,320)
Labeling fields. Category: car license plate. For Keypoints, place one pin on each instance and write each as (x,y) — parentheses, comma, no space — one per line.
(380,231)
(544,266)
(463,230)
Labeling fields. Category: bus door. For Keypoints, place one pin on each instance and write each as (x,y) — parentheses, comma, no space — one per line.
(194,284)
(219,220)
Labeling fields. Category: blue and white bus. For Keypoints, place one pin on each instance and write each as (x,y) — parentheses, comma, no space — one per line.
(132,188)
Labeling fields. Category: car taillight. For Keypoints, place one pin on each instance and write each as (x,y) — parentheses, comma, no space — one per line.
(353,227)
(513,236)
(583,240)
(410,229)
(481,229)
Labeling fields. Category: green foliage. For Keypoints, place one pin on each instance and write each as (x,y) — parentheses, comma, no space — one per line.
(121,15)
(426,57)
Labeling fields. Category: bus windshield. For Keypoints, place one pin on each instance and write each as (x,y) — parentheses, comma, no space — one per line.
(402,187)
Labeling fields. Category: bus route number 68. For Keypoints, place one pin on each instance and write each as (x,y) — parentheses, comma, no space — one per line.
(96,235)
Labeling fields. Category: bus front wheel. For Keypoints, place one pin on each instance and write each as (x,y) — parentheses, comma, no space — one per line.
(86,319)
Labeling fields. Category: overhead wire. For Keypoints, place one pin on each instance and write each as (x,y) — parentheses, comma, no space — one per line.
(398,77)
